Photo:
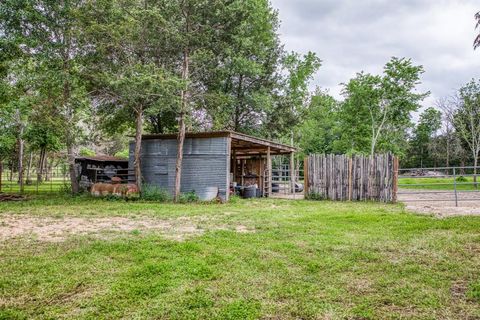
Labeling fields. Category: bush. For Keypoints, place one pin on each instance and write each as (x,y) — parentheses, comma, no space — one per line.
(188,197)
(154,193)
(66,188)
(122,154)
(462,179)
(314,196)
(85,152)
(233,199)
(112,197)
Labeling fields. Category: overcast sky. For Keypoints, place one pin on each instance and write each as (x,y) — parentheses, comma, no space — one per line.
(354,35)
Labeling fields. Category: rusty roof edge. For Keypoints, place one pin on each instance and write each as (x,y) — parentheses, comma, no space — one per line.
(224,133)
(277,145)
(102,158)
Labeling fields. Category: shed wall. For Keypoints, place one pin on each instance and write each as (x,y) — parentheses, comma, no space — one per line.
(206,163)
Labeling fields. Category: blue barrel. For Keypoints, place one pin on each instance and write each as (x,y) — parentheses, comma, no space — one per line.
(249,192)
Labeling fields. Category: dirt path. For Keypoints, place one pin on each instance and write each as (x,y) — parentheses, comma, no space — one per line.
(440,204)
(59,229)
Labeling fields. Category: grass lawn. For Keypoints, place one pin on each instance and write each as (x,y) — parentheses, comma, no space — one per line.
(268,259)
(436,183)
(54,185)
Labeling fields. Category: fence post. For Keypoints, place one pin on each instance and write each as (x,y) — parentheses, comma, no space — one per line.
(455,187)
(395,179)
(305,176)
(269,172)
(292,173)
(350,185)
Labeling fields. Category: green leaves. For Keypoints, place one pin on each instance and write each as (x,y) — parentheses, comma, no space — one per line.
(376,113)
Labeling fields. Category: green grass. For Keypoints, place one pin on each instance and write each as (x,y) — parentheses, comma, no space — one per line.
(305,260)
(436,183)
(55,185)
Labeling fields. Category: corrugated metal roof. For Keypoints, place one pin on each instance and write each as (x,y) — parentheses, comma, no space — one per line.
(237,139)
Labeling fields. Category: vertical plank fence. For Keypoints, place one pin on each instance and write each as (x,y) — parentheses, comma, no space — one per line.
(352,178)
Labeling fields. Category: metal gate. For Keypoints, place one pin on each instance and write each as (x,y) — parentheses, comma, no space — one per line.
(441,184)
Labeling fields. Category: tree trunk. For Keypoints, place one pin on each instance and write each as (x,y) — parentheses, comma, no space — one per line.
(20,160)
(29,169)
(448,153)
(178,164)
(41,159)
(71,166)
(138,148)
(48,169)
(1,174)
(181,125)
(475,163)
(12,166)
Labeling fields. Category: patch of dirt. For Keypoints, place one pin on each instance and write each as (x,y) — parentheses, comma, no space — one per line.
(52,229)
(459,289)
(441,205)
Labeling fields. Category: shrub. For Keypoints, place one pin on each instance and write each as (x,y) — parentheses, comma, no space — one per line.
(233,199)
(462,179)
(154,193)
(122,154)
(66,188)
(188,197)
(85,152)
(112,197)
(314,196)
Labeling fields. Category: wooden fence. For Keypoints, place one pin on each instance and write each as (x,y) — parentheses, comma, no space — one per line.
(355,178)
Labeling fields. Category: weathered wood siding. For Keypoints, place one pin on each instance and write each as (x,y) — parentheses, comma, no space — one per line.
(356,178)
(206,163)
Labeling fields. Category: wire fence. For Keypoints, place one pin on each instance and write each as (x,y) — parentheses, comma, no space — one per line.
(282,184)
(51,180)
(440,184)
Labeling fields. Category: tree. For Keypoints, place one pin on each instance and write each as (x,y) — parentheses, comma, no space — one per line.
(476,43)
(18,100)
(374,104)
(430,122)
(47,31)
(464,113)
(243,75)
(131,48)
(43,135)
(319,130)
(293,97)
(195,28)
(7,139)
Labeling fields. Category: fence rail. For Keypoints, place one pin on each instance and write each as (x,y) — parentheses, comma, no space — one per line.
(52,180)
(452,181)
(356,178)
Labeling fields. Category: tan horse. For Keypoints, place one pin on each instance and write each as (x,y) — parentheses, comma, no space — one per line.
(103,189)
(121,190)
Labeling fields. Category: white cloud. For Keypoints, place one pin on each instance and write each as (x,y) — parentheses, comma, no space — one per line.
(351,36)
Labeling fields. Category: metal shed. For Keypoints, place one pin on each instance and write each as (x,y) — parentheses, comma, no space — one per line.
(100,169)
(211,160)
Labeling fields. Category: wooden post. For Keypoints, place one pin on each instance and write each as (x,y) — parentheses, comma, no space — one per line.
(305,176)
(395,179)
(350,186)
(455,187)
(292,173)
(234,166)
(242,171)
(269,173)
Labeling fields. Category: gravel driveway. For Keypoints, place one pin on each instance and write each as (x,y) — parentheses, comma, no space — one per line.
(440,202)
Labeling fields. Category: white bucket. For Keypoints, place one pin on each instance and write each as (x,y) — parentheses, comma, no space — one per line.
(208,193)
